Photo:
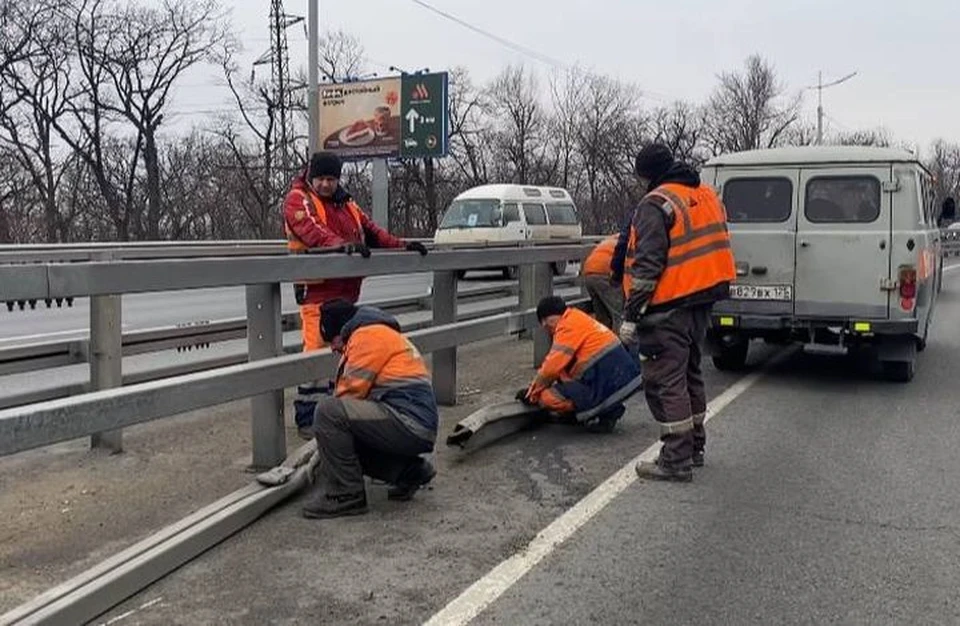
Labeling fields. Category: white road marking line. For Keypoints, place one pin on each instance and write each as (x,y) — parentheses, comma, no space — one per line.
(950,268)
(57,333)
(495,583)
(123,616)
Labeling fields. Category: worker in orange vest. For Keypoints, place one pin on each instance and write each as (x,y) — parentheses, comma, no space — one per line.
(586,364)
(606,292)
(382,417)
(319,213)
(678,263)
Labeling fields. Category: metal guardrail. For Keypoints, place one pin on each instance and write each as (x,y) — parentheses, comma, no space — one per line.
(62,353)
(102,413)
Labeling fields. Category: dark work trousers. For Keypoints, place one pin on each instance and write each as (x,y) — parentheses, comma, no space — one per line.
(357,437)
(607,300)
(673,380)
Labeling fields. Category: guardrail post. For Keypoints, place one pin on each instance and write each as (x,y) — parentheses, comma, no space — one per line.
(264,341)
(526,294)
(445,361)
(106,359)
(542,287)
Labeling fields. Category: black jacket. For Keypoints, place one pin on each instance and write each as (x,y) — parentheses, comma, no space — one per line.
(653,226)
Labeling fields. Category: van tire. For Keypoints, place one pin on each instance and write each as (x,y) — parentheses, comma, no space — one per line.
(559,268)
(511,273)
(732,358)
(899,371)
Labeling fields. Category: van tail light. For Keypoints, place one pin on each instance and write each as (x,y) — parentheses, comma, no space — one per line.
(908,287)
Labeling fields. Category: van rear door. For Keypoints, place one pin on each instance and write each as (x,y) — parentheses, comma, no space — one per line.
(762,217)
(843,243)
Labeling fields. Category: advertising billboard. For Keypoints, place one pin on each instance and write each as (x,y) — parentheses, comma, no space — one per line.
(403,117)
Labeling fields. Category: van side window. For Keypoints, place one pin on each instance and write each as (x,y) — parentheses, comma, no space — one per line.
(562,214)
(850,199)
(535,214)
(758,199)
(511,213)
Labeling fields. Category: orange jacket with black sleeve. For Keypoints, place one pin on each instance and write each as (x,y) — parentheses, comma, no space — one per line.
(382,365)
(312,222)
(579,343)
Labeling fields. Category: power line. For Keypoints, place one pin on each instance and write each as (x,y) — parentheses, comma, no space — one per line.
(504,42)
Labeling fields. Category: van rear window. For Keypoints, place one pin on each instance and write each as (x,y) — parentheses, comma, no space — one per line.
(850,199)
(758,199)
(562,214)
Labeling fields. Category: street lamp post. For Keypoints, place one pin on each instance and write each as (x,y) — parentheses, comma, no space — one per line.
(820,87)
(313,71)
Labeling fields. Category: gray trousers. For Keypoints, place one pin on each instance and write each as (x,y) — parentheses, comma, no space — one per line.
(607,300)
(357,437)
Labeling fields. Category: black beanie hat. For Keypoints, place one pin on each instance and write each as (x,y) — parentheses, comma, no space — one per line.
(551,305)
(325,164)
(653,161)
(334,315)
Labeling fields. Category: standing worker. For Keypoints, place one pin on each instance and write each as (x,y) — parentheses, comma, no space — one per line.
(383,416)
(678,263)
(606,292)
(319,213)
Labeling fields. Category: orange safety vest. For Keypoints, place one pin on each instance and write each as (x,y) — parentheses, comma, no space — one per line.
(315,207)
(579,342)
(700,256)
(600,258)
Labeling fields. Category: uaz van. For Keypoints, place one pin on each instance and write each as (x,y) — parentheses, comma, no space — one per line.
(491,214)
(836,248)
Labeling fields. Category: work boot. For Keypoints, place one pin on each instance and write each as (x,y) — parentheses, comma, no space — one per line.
(323,506)
(657,470)
(606,422)
(697,459)
(418,475)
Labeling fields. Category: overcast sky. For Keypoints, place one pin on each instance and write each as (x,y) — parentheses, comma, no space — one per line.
(904,52)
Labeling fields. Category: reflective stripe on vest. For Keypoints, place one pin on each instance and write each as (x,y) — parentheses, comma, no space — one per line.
(700,256)
(315,207)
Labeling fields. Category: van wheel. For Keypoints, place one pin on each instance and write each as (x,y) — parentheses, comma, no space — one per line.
(510,273)
(559,268)
(899,371)
(732,358)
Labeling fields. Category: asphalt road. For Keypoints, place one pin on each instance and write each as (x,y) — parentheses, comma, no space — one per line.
(829,496)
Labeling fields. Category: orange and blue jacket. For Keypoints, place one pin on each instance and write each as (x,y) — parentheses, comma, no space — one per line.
(382,365)
(587,362)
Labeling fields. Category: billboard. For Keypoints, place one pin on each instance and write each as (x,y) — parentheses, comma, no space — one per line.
(403,117)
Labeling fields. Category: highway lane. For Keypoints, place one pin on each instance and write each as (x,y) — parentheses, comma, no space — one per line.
(829,496)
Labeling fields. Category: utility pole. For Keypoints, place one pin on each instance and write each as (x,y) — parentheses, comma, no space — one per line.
(820,87)
(313,71)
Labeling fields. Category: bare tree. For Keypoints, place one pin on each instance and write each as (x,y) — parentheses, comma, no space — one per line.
(944,164)
(468,141)
(749,110)
(681,127)
(341,56)
(150,49)
(521,123)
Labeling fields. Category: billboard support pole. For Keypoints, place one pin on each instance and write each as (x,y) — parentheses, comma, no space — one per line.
(381,193)
(313,78)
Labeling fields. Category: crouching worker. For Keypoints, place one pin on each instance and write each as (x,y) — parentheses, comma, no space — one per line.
(585,366)
(382,416)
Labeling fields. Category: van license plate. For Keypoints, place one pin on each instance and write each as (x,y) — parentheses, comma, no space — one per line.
(783,293)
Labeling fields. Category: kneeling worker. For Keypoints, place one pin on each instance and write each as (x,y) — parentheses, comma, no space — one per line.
(585,366)
(383,415)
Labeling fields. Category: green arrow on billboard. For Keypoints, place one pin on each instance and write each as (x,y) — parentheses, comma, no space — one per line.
(423,116)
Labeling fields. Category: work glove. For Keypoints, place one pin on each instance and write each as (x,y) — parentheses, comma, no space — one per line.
(522,397)
(628,333)
(357,248)
(416,246)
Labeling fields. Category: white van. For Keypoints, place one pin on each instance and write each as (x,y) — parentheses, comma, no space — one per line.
(836,248)
(491,214)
